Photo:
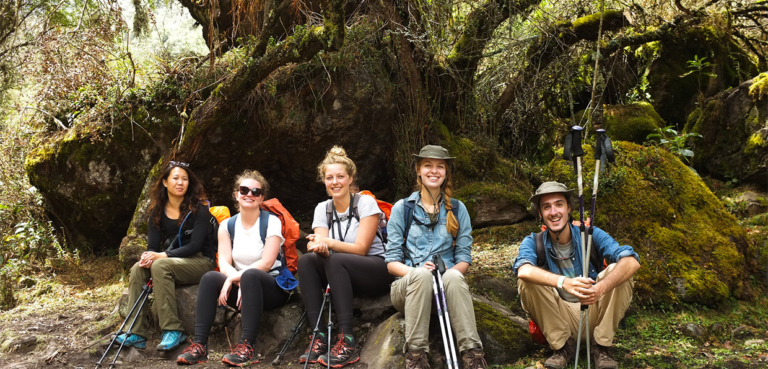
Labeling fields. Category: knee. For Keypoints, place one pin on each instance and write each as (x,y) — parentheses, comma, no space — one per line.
(453,277)
(160,265)
(252,275)
(211,278)
(420,277)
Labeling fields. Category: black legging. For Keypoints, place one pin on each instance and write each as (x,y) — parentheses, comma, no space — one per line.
(260,292)
(347,274)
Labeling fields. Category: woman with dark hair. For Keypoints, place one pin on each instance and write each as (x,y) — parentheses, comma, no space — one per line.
(247,281)
(345,253)
(179,251)
(439,226)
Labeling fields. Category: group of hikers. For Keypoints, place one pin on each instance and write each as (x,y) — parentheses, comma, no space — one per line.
(348,255)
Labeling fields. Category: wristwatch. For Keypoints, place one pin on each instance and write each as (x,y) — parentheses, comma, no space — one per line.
(560,282)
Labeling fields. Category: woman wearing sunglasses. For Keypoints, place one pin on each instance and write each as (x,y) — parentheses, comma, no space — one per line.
(346,255)
(246,279)
(179,251)
(440,226)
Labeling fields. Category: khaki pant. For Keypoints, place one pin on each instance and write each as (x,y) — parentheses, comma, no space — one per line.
(413,296)
(165,273)
(559,319)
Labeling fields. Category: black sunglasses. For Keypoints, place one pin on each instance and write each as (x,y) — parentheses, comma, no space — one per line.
(179,164)
(255,191)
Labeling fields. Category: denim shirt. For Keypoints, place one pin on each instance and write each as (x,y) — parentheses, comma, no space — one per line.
(607,246)
(423,241)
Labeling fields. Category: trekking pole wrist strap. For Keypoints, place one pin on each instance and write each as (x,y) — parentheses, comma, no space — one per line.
(560,282)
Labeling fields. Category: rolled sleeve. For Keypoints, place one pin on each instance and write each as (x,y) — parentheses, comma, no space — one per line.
(611,249)
(395,229)
(526,253)
(463,250)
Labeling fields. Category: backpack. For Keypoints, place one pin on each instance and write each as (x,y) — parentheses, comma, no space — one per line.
(290,230)
(385,207)
(541,259)
(212,236)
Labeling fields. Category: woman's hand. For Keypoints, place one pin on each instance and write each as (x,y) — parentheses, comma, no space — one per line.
(318,245)
(224,295)
(429,266)
(148,257)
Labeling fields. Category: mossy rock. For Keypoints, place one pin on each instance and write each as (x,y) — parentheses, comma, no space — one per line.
(674,97)
(733,129)
(691,249)
(493,204)
(504,341)
(91,177)
(633,122)
(506,234)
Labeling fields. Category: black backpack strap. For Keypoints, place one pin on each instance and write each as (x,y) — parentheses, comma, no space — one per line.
(231,229)
(455,208)
(354,199)
(408,219)
(329,214)
(541,258)
(263,223)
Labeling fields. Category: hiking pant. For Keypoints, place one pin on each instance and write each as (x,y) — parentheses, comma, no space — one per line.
(348,275)
(165,273)
(259,292)
(559,319)
(413,296)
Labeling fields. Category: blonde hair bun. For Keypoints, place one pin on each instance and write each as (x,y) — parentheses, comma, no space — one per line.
(337,151)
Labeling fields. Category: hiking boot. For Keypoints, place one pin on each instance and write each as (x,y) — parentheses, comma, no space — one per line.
(242,354)
(473,359)
(603,359)
(134,340)
(416,359)
(343,352)
(194,354)
(562,356)
(319,347)
(171,340)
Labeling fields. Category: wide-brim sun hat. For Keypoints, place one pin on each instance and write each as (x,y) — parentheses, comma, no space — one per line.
(433,152)
(547,188)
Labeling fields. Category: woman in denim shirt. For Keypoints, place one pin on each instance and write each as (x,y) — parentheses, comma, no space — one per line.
(440,226)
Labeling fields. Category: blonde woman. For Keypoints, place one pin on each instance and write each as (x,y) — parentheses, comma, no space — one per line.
(346,254)
(439,226)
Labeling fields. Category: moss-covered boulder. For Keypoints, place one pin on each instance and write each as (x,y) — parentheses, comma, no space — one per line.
(691,249)
(91,177)
(734,126)
(674,97)
(631,122)
(492,204)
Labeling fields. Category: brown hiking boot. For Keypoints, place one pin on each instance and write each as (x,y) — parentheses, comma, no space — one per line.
(473,359)
(562,356)
(416,360)
(603,359)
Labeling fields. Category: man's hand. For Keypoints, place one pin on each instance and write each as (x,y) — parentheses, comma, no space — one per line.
(580,287)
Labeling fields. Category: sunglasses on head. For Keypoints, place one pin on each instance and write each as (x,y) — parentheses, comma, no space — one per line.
(255,191)
(179,164)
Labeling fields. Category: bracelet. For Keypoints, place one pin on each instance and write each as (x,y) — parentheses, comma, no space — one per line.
(560,282)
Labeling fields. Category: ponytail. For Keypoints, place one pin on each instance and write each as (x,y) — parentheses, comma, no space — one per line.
(451,224)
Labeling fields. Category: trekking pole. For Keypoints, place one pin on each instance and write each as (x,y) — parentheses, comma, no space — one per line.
(603,154)
(330,324)
(440,314)
(294,333)
(147,290)
(317,325)
(120,330)
(573,151)
(440,269)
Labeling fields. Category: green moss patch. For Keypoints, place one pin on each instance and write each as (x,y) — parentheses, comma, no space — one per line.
(691,248)
(512,340)
(759,88)
(632,122)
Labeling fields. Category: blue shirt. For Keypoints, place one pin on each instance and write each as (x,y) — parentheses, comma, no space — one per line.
(606,246)
(424,241)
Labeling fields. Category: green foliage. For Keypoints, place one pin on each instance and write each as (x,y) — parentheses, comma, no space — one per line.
(699,66)
(676,143)
(759,88)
